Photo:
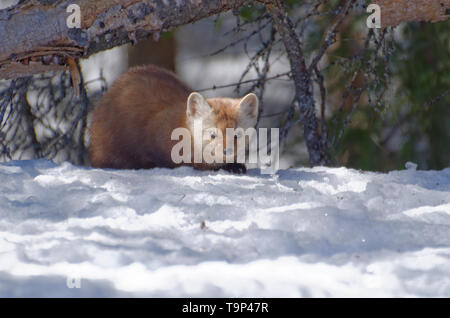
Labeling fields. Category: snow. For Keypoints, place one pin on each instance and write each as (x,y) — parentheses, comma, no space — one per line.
(301,232)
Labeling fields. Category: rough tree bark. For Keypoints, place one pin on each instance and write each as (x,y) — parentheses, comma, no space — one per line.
(34,36)
(303,83)
(394,12)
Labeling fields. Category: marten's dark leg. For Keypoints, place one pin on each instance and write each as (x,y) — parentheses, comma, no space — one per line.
(238,168)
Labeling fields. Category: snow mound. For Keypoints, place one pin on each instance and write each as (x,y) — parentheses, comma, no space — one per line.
(71,231)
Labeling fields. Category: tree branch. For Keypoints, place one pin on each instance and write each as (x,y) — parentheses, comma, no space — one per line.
(39,28)
(303,85)
(394,12)
(35,38)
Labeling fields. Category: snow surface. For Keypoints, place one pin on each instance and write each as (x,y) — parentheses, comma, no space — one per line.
(301,232)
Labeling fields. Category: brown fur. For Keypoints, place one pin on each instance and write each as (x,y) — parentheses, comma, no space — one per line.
(133,121)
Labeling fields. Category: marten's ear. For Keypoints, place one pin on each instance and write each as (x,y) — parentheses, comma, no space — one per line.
(248,110)
(197,106)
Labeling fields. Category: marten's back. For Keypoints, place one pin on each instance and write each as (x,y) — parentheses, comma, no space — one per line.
(133,121)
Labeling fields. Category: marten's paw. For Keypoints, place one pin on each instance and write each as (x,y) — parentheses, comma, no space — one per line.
(237,168)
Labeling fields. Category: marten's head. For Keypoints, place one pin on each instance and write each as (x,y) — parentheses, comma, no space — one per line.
(216,115)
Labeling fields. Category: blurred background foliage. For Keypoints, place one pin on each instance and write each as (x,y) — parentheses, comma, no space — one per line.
(398,106)
(412,120)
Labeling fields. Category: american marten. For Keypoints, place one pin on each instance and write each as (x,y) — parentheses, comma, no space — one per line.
(133,123)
